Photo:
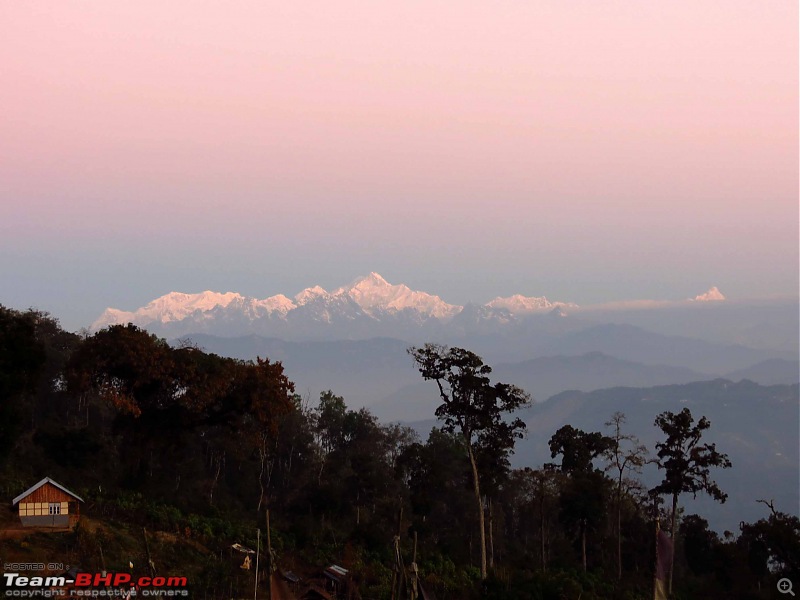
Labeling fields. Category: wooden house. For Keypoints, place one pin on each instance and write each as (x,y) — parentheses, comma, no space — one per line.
(48,504)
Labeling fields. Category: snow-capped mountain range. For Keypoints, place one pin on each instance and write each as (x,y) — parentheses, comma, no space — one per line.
(370,306)
(366,303)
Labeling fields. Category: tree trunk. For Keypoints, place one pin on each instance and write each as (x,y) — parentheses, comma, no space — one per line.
(491,535)
(619,528)
(215,460)
(262,454)
(672,539)
(541,534)
(583,546)
(481,524)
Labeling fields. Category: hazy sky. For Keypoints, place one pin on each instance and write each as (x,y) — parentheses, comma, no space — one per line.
(588,151)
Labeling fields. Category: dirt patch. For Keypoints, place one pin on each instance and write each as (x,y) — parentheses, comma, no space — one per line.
(20,532)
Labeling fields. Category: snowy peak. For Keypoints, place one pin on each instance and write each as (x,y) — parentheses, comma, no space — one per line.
(174,306)
(367,302)
(371,286)
(522,305)
(279,303)
(712,295)
(373,293)
(311,294)
(372,280)
(112,316)
(369,306)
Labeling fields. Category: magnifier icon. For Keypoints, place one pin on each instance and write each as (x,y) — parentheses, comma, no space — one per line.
(785,586)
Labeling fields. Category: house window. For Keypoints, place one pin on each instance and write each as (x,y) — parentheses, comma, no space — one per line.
(55,508)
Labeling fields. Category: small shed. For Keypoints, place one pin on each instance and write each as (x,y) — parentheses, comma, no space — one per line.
(48,504)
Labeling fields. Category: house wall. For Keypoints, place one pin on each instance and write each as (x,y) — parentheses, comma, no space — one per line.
(46,521)
(35,508)
(38,509)
(47,493)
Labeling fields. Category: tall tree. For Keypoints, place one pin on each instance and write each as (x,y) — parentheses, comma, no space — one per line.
(534,493)
(625,455)
(474,408)
(686,464)
(22,360)
(773,544)
(583,497)
(127,367)
(261,397)
(331,415)
(436,474)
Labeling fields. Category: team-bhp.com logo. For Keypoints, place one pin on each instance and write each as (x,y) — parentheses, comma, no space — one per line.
(145,586)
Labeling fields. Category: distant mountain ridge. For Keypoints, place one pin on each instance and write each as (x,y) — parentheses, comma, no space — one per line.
(378,372)
(369,306)
(544,377)
(629,342)
(774,371)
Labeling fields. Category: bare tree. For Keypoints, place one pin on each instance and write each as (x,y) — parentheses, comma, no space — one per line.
(625,456)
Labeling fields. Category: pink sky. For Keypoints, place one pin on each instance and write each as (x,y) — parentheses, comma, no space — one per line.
(561,148)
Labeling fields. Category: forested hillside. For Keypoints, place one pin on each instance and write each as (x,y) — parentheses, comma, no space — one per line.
(196,448)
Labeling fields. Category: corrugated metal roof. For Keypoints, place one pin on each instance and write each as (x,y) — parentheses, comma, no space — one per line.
(339,570)
(244,549)
(40,484)
(288,575)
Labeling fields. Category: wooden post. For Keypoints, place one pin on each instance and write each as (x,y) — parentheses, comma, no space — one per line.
(150,563)
(258,546)
(414,571)
(402,573)
(269,546)
(396,580)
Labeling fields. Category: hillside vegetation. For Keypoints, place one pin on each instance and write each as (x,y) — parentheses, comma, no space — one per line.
(187,450)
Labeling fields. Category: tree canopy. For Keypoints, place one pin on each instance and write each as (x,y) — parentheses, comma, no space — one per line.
(194,447)
(475,409)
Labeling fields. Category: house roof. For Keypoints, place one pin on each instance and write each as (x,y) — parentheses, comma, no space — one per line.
(40,484)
